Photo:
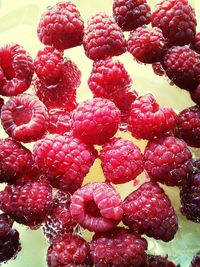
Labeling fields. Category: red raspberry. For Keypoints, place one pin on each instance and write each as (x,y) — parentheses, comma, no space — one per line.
(1,103)
(103,38)
(16,70)
(59,121)
(24,117)
(68,250)
(176,19)
(196,43)
(124,158)
(147,119)
(182,66)
(146,45)
(61,26)
(119,247)
(130,14)
(188,126)
(196,260)
(65,160)
(167,160)
(158,261)
(149,211)
(195,95)
(96,207)
(96,120)
(27,203)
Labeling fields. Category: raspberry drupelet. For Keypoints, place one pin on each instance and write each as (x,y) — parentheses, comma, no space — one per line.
(195,261)
(195,45)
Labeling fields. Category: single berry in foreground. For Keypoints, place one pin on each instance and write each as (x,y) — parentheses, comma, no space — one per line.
(195,261)
(158,261)
(59,121)
(195,45)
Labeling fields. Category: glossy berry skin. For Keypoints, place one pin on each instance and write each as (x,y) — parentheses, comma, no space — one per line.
(195,261)
(195,45)
(158,261)
(103,38)
(176,19)
(149,211)
(61,26)
(59,121)
(96,207)
(119,247)
(167,160)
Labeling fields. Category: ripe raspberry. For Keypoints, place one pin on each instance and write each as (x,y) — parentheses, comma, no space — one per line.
(68,250)
(147,119)
(195,95)
(119,247)
(158,261)
(148,210)
(65,160)
(188,126)
(24,117)
(167,160)
(59,121)
(96,207)
(124,158)
(130,15)
(27,203)
(5,225)
(146,45)
(196,43)
(195,261)
(182,66)
(61,26)
(95,121)
(177,20)
(103,38)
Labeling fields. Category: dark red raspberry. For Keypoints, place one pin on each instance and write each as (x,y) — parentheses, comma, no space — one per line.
(188,126)
(103,38)
(124,158)
(182,66)
(1,103)
(119,247)
(147,119)
(96,120)
(96,207)
(64,159)
(176,19)
(59,121)
(195,95)
(16,70)
(6,224)
(68,250)
(146,45)
(61,26)
(15,160)
(195,261)
(24,117)
(130,14)
(167,160)
(149,211)
(196,43)
(158,261)
(27,203)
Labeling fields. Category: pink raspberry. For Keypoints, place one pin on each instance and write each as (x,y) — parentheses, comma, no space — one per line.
(96,207)
(158,261)
(196,260)
(124,158)
(196,43)
(146,45)
(103,38)
(176,19)
(119,247)
(195,95)
(61,26)
(167,160)
(59,121)
(96,120)
(16,70)
(130,15)
(64,159)
(149,211)
(147,119)
(24,117)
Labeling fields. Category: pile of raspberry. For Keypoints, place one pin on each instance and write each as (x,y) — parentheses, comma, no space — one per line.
(45,186)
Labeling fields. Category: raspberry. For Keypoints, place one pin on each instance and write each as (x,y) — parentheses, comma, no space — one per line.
(147,119)
(158,261)
(195,95)
(177,20)
(27,203)
(61,26)
(130,15)
(167,160)
(146,45)
(188,126)
(182,66)
(1,103)
(196,260)
(103,38)
(16,70)
(15,160)
(59,121)
(68,250)
(119,247)
(5,225)
(65,160)
(24,117)
(96,207)
(149,211)
(95,121)
(122,156)
(196,43)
